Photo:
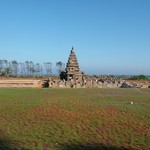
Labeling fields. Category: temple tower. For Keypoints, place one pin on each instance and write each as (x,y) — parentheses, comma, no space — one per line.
(72,68)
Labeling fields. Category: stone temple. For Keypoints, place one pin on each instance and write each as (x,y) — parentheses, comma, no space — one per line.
(72,68)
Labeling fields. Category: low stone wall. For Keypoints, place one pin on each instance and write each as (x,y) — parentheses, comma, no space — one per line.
(20,83)
(89,83)
(84,84)
(98,83)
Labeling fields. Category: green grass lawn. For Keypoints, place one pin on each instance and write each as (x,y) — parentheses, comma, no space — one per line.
(67,119)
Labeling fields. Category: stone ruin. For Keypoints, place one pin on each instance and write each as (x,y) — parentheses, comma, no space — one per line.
(76,78)
(108,82)
(72,69)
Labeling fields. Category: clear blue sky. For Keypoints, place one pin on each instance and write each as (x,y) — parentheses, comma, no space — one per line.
(109,36)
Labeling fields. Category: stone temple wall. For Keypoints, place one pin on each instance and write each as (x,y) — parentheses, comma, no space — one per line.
(21,83)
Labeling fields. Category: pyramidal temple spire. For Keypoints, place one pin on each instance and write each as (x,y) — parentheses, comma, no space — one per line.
(72,68)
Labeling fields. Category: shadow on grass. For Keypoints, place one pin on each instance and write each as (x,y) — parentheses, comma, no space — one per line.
(91,147)
(5,143)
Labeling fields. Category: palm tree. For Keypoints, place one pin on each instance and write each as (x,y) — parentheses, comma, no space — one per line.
(7,71)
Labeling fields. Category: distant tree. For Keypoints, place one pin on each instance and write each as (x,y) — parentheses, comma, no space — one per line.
(5,68)
(60,66)
(48,68)
(22,69)
(37,68)
(41,70)
(142,77)
(1,67)
(139,77)
(5,63)
(7,72)
(1,64)
(14,66)
(27,67)
(32,68)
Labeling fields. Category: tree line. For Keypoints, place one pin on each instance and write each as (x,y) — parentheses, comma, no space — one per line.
(28,68)
(139,77)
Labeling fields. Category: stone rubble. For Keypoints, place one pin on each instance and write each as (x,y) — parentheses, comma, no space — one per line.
(97,83)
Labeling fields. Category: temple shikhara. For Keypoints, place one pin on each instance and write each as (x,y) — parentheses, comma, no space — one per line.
(72,67)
